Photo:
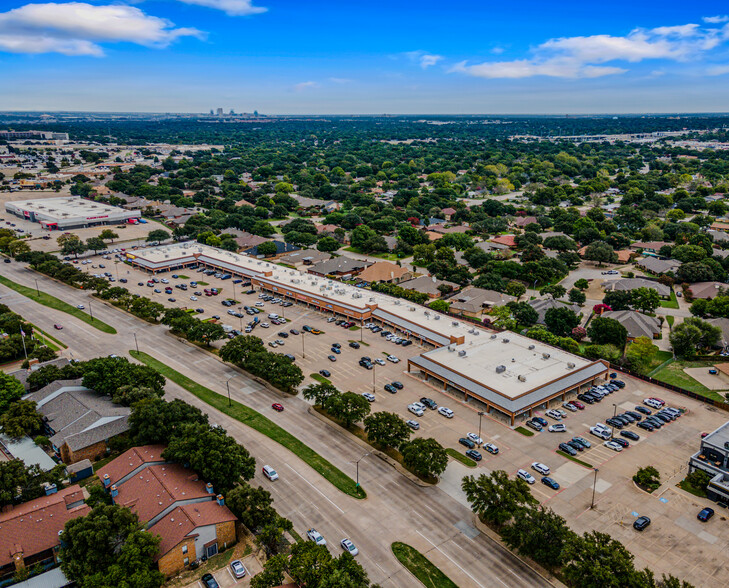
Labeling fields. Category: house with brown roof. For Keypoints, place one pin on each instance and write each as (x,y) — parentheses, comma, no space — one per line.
(30,533)
(707,290)
(523,221)
(636,323)
(624,255)
(384,271)
(448,213)
(719,226)
(304,257)
(341,266)
(650,246)
(473,301)
(247,240)
(174,503)
(429,285)
(507,240)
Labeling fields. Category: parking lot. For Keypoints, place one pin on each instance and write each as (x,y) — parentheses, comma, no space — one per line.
(675,542)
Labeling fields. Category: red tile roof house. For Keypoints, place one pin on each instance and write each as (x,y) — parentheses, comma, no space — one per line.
(30,532)
(523,221)
(507,240)
(174,503)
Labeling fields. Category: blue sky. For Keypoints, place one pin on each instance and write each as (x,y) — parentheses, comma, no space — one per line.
(326,57)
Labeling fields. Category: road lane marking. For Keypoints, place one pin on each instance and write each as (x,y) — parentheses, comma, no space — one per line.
(315,488)
(455,563)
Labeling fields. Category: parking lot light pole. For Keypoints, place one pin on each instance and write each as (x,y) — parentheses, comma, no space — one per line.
(135,341)
(227,385)
(615,413)
(37,290)
(361,330)
(374,369)
(303,347)
(91,312)
(240,316)
(594,483)
(357,463)
(480,414)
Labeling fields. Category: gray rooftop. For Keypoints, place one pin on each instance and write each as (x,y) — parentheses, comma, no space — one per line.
(718,438)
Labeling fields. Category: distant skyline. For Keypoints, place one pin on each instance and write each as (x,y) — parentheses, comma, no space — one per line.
(324,57)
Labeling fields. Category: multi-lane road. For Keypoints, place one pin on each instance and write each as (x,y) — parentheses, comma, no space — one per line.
(395,510)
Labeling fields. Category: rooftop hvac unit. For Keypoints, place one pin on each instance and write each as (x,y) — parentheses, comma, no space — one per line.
(462,353)
(500,369)
(426,313)
(397,302)
(372,299)
(295,281)
(504,340)
(522,378)
(570,365)
(546,355)
(455,323)
(531,347)
(475,332)
(513,360)
(451,348)
(411,308)
(494,336)
(437,317)
(471,331)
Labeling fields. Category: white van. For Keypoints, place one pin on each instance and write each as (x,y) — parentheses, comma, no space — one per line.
(273,315)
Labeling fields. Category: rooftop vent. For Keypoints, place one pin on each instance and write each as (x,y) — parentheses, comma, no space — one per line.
(504,340)
(522,378)
(462,353)
(570,366)
(513,360)
(475,332)
(455,323)
(500,369)
(451,348)
(494,336)
(546,356)
(531,347)
(437,317)
(411,308)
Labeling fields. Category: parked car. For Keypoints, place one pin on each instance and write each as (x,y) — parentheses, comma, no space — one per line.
(414,425)
(390,388)
(705,514)
(613,445)
(534,425)
(325,373)
(569,406)
(540,420)
(369,396)
(415,409)
(397,385)
(541,468)
(238,569)
(557,428)
(209,581)
(474,455)
(491,448)
(584,442)
(270,473)
(526,476)
(475,438)
(392,358)
(347,545)
(446,412)
(429,402)
(547,481)
(630,435)
(354,344)
(575,445)
(622,442)
(316,537)
(567,449)
(554,414)
(331,357)
(467,442)
(641,523)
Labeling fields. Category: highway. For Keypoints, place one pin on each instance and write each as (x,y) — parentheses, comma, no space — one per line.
(396,509)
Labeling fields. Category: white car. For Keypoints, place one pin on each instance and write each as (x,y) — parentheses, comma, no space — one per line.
(165,281)
(648,401)
(526,476)
(475,438)
(491,448)
(316,537)
(347,545)
(331,319)
(270,473)
(80,306)
(379,361)
(265,325)
(602,433)
(259,303)
(414,425)
(239,570)
(446,412)
(193,298)
(612,445)
(392,358)
(369,396)
(570,407)
(558,428)
(416,409)
(560,411)
(541,468)
(554,414)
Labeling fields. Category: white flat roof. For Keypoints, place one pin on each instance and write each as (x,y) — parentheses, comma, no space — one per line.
(64,208)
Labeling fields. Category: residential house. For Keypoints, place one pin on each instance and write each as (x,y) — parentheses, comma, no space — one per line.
(507,240)
(522,221)
(384,271)
(542,305)
(172,502)
(650,246)
(304,257)
(281,248)
(658,266)
(624,255)
(448,213)
(636,323)
(627,284)
(719,226)
(473,301)
(429,285)
(342,266)
(443,230)
(490,247)
(720,253)
(31,531)
(391,242)
(248,240)
(78,422)
(723,324)
(707,290)
(22,374)
(719,236)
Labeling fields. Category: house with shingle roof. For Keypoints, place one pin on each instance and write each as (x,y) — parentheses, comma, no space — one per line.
(340,266)
(473,301)
(658,266)
(627,284)
(78,422)
(636,323)
(429,285)
(542,305)
(384,271)
(707,290)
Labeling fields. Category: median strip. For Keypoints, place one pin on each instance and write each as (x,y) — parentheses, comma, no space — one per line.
(257,421)
(421,567)
(56,304)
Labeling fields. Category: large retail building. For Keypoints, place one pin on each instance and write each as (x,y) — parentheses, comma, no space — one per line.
(70,212)
(503,372)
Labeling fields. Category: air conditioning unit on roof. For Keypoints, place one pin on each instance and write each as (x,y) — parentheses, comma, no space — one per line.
(546,356)
(500,369)
(521,378)
(462,353)
(531,347)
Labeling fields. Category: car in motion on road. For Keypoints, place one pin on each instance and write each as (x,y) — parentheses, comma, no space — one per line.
(270,473)
(347,545)
(80,306)
(58,327)
(277,407)
(316,537)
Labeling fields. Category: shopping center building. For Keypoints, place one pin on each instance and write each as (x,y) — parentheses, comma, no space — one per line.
(69,212)
(503,372)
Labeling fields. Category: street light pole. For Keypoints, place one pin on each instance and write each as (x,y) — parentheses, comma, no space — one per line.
(361,330)
(303,347)
(37,290)
(615,412)
(91,312)
(374,368)
(357,464)
(227,385)
(240,316)
(480,414)
(135,341)
(594,483)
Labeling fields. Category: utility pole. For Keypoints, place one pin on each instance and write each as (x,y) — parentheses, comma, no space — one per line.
(37,290)
(303,347)
(91,312)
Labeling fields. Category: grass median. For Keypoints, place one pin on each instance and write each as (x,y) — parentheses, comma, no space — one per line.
(55,303)
(421,567)
(257,421)
(464,459)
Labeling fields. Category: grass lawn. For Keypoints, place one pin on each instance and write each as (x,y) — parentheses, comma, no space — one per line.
(203,284)
(661,357)
(388,256)
(673,374)
(183,277)
(670,319)
(524,431)
(257,421)
(421,567)
(55,303)
(672,303)
(48,340)
(467,461)
(579,461)
(684,485)
(319,378)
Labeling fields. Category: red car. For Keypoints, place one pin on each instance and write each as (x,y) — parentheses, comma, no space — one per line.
(578,404)
(277,407)
(58,327)
(659,400)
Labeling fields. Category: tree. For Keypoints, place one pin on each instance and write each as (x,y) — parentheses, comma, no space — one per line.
(105,375)
(496,498)
(71,245)
(320,393)
(21,418)
(601,252)
(367,240)
(576,296)
(108,235)
(205,332)
(386,428)
(213,454)
(155,421)
(157,235)
(95,244)
(267,248)
(328,244)
(561,321)
(425,457)
(596,560)
(17,246)
(603,330)
(516,289)
(648,478)
(555,291)
(271,536)
(239,349)
(440,305)
(645,299)
(348,407)
(10,390)
(582,284)
(693,335)
(523,313)
(109,547)
(540,534)
(699,479)
(560,243)
(272,574)
(640,354)
(618,299)
(252,506)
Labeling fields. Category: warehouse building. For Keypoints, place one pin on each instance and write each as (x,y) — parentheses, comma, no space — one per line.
(506,373)
(70,212)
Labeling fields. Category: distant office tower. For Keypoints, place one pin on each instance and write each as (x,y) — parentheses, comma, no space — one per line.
(232,112)
(212,112)
(255,113)
(220,112)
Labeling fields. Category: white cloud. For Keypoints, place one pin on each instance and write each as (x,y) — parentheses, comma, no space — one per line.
(497,50)
(718,70)
(230,7)
(423,59)
(582,57)
(77,28)
(716,19)
(301,86)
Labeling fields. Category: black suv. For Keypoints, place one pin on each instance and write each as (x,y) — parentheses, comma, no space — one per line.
(354,344)
(429,402)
